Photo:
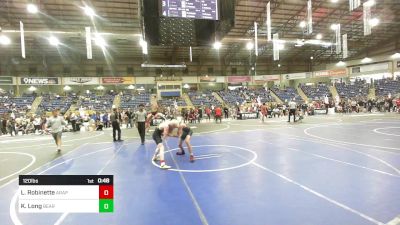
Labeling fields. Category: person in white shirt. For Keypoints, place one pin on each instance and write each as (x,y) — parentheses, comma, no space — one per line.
(161,132)
(56,123)
(292,110)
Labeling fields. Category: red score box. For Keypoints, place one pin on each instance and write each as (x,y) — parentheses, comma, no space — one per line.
(106,192)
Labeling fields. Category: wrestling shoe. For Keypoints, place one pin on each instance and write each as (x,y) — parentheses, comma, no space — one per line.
(165,167)
(180,153)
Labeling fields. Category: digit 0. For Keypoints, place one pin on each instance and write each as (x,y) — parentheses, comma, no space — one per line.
(105,192)
(105,206)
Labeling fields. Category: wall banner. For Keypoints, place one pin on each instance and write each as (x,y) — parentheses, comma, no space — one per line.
(81,80)
(265,78)
(117,80)
(6,80)
(40,81)
(239,79)
(207,79)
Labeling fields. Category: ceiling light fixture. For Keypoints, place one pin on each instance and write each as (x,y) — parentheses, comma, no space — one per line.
(395,56)
(334,26)
(54,41)
(366,60)
(341,64)
(32,8)
(319,36)
(374,22)
(4,40)
(302,24)
(217,45)
(249,45)
(370,3)
(89,11)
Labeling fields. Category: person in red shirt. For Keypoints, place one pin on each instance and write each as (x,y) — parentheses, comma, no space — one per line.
(398,104)
(218,114)
(264,111)
(208,112)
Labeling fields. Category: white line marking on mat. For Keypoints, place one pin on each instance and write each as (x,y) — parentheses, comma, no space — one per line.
(377,130)
(33,160)
(193,198)
(318,194)
(331,140)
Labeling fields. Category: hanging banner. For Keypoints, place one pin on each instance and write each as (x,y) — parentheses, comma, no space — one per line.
(6,80)
(207,79)
(353,4)
(81,80)
(39,81)
(256,38)
(295,76)
(330,73)
(117,80)
(367,18)
(269,21)
(338,40)
(266,78)
(239,79)
(345,49)
(21,28)
(309,17)
(88,43)
(276,46)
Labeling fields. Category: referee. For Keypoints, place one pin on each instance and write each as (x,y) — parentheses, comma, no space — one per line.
(141,120)
(116,119)
(292,109)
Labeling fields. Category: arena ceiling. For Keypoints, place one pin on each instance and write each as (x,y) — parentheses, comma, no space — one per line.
(120,24)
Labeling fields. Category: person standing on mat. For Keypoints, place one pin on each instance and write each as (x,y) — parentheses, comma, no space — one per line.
(292,110)
(56,123)
(140,116)
(264,112)
(218,115)
(161,133)
(184,135)
(116,119)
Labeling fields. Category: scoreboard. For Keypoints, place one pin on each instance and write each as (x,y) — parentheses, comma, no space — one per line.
(194,9)
(66,194)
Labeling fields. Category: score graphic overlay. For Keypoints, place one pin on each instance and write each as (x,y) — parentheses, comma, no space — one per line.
(66,193)
(194,9)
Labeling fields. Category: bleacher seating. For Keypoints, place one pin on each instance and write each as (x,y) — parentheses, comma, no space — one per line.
(206,99)
(50,102)
(315,93)
(287,94)
(132,101)
(265,96)
(240,96)
(18,105)
(171,102)
(359,88)
(96,103)
(385,86)
(233,97)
